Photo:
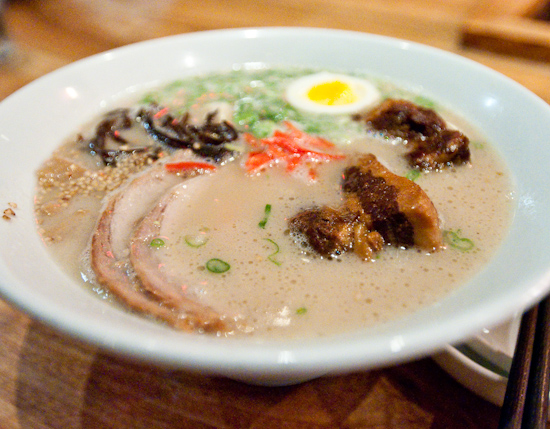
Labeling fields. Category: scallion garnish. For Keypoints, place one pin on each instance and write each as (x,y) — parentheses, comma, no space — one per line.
(454,239)
(301,310)
(272,256)
(157,242)
(196,240)
(267,212)
(217,266)
(412,175)
(424,102)
(477,144)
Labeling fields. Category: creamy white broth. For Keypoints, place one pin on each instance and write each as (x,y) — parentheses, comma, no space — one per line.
(302,294)
(297,294)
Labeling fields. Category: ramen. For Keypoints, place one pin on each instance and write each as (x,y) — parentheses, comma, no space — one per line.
(180,205)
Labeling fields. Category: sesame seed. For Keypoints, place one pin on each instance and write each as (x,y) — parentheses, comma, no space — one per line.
(99,182)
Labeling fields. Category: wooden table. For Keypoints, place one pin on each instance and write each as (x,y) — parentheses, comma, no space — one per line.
(48,380)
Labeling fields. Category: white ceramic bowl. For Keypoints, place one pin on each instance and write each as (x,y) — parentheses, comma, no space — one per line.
(34,120)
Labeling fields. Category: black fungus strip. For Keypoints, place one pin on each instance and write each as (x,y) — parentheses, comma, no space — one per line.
(109,129)
(207,140)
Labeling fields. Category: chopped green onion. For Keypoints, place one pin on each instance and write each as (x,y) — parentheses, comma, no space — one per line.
(267,212)
(301,310)
(196,240)
(477,144)
(234,147)
(157,242)
(454,239)
(263,128)
(424,102)
(272,256)
(412,175)
(217,266)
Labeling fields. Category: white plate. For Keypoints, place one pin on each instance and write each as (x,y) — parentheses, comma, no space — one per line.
(474,372)
(37,118)
(482,364)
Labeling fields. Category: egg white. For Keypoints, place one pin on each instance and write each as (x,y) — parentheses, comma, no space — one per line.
(366,93)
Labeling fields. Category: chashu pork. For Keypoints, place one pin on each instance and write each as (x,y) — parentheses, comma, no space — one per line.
(400,209)
(154,274)
(110,248)
(379,207)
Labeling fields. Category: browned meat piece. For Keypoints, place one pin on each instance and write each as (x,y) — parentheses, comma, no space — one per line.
(333,231)
(401,118)
(445,149)
(379,200)
(433,145)
(380,207)
(329,231)
(367,242)
(400,210)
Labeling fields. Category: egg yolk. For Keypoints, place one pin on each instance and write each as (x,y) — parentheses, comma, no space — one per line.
(334,93)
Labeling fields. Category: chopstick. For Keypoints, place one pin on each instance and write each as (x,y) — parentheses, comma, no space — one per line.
(526,399)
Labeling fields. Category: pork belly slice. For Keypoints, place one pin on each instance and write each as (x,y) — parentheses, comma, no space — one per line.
(162,282)
(404,119)
(333,231)
(399,209)
(110,247)
(379,207)
(433,144)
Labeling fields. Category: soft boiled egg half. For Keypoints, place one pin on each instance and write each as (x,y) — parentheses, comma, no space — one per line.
(331,93)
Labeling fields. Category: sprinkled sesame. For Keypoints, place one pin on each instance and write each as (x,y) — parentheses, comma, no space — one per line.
(91,182)
(9,213)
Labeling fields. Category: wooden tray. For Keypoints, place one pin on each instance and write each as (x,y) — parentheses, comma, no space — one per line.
(514,27)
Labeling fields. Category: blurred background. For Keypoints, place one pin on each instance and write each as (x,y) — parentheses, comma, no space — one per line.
(51,33)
